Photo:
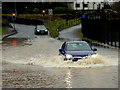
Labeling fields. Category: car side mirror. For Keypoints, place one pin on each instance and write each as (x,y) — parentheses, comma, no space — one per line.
(62,51)
(94,49)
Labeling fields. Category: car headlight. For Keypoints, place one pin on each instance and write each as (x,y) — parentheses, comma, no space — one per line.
(38,30)
(46,30)
(68,56)
(84,57)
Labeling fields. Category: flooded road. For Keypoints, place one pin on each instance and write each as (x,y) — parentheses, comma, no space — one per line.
(47,48)
(34,62)
(38,60)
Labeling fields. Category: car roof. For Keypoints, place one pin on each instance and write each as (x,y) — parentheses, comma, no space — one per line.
(76,42)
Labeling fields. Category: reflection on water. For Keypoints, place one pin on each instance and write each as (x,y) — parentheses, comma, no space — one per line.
(14,43)
(68,79)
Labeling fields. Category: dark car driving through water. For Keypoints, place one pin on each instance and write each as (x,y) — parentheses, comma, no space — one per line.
(75,50)
(41,30)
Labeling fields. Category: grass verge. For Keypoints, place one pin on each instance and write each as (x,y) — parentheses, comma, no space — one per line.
(80,33)
(52,27)
(3,30)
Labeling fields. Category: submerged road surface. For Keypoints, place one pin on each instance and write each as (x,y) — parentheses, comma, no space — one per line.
(35,63)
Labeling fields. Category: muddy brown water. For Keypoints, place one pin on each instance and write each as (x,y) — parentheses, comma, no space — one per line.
(44,51)
(98,71)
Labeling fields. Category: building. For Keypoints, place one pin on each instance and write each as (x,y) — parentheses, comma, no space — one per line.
(89,4)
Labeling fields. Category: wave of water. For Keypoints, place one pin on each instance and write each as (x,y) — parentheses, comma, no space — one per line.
(58,61)
(45,54)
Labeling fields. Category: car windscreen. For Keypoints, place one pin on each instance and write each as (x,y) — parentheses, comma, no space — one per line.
(78,47)
(42,27)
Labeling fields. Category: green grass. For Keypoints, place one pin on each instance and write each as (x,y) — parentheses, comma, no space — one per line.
(52,26)
(80,33)
(70,23)
(3,30)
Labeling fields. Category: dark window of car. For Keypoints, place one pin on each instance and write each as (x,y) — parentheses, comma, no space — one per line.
(78,47)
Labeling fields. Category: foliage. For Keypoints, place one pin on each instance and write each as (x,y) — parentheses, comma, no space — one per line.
(3,30)
(60,10)
(52,26)
(5,22)
(56,26)
(36,10)
(116,6)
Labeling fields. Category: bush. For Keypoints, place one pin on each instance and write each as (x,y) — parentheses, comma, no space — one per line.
(52,26)
(59,10)
(5,22)
(36,10)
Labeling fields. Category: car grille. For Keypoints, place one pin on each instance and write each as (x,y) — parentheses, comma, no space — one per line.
(42,31)
(79,57)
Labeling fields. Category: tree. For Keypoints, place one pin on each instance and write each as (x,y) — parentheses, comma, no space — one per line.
(36,10)
(116,6)
(60,9)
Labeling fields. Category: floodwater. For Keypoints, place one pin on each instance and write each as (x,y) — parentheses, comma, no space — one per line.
(44,51)
(33,61)
(98,71)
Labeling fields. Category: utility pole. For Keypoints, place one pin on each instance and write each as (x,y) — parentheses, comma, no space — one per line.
(67,12)
(76,5)
(83,7)
(14,15)
(83,16)
(14,18)
(26,12)
(83,11)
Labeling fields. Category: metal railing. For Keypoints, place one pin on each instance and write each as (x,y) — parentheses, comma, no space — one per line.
(68,24)
(104,31)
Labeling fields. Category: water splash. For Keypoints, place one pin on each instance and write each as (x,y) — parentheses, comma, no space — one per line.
(93,61)
(58,61)
(45,54)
